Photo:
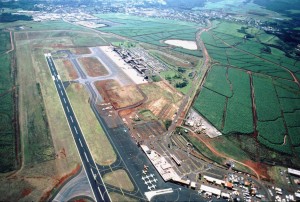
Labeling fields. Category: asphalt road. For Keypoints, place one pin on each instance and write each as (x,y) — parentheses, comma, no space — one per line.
(91,170)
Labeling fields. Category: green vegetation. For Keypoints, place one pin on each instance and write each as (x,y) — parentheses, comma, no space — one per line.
(218,82)
(286,148)
(181,81)
(119,197)
(8,17)
(53,25)
(149,30)
(155,78)
(294,135)
(273,131)
(147,115)
(211,105)
(119,178)
(202,148)
(4,41)
(196,53)
(239,108)
(7,131)
(168,123)
(256,52)
(265,95)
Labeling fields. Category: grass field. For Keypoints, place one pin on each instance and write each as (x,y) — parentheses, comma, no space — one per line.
(120,179)
(45,135)
(4,41)
(7,128)
(99,145)
(149,30)
(118,197)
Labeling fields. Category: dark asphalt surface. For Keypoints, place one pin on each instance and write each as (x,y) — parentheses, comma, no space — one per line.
(89,165)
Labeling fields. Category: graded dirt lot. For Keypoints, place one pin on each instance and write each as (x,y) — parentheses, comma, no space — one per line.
(119,178)
(81,51)
(66,70)
(119,96)
(103,86)
(93,66)
(163,100)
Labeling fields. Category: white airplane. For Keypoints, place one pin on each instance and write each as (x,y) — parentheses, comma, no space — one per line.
(143,178)
(153,186)
(151,175)
(147,176)
(155,180)
(145,172)
(147,182)
(150,188)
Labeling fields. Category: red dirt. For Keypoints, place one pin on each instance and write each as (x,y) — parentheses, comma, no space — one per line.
(93,66)
(262,169)
(82,51)
(79,200)
(258,169)
(72,72)
(25,192)
(60,181)
(103,86)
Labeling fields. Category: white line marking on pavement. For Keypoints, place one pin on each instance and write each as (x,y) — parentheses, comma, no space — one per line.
(75,130)
(68,109)
(71,119)
(87,160)
(58,86)
(100,193)
(80,142)
(53,78)
(65,100)
(61,92)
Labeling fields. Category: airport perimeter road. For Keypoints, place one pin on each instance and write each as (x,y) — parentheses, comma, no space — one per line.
(91,170)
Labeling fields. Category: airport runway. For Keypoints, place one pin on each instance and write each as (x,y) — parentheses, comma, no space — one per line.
(95,180)
(129,156)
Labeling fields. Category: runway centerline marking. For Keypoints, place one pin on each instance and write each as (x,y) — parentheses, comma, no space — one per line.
(87,160)
(75,130)
(71,119)
(80,142)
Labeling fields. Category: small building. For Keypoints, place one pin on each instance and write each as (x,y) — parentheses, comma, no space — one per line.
(294,172)
(193,185)
(214,180)
(229,185)
(212,190)
(225,195)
